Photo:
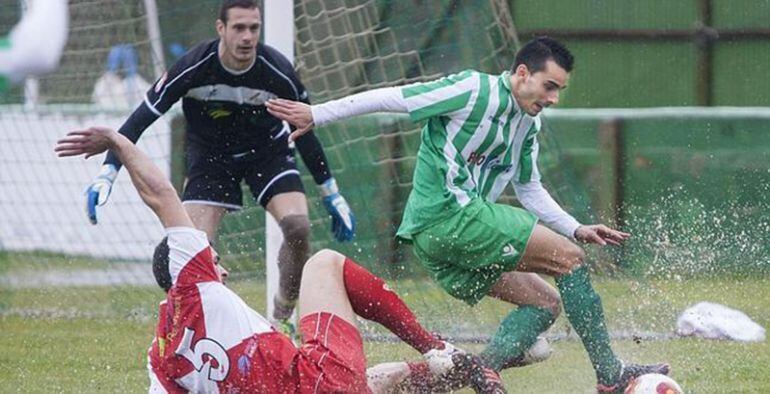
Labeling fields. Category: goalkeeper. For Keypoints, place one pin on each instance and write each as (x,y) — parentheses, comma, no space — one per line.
(35,44)
(481,134)
(223,84)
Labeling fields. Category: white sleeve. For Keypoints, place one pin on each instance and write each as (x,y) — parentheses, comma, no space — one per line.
(37,41)
(533,196)
(377,100)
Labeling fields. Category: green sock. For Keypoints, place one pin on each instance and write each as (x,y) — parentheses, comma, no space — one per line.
(583,308)
(517,332)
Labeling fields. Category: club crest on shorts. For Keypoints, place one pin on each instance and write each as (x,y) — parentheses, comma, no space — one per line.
(244,364)
(509,250)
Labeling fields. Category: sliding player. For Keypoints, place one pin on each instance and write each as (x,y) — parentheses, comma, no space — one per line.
(480,135)
(208,339)
(35,44)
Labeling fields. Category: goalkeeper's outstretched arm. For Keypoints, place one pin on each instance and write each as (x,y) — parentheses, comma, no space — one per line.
(155,190)
(35,44)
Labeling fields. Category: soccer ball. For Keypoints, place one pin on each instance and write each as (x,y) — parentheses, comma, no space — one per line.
(653,383)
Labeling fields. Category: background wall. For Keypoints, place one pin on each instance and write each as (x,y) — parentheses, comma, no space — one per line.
(658,53)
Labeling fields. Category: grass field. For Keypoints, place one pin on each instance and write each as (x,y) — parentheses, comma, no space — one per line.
(94,339)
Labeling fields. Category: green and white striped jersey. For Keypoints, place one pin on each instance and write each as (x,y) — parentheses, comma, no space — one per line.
(476,140)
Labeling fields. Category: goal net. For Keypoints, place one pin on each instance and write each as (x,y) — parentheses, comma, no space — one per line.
(115,50)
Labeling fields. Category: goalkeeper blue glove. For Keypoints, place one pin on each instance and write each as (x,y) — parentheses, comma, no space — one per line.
(343,220)
(99,190)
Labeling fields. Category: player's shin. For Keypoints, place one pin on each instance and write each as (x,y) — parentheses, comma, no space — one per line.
(517,333)
(291,258)
(583,308)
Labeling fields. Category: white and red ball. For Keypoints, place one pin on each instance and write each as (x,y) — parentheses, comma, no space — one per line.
(653,383)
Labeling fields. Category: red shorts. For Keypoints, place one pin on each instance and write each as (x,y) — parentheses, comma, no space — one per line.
(331,358)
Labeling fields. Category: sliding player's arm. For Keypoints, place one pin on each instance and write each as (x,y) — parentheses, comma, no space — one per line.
(35,44)
(101,186)
(159,98)
(155,190)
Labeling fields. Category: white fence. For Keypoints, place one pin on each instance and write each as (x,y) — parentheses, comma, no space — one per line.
(42,203)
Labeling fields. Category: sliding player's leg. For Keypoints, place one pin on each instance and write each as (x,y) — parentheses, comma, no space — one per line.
(333,290)
(370,298)
(516,342)
(553,254)
(332,349)
(322,289)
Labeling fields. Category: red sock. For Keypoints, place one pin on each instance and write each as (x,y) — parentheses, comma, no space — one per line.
(373,300)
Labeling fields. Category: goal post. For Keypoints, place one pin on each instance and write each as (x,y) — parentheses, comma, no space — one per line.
(279,33)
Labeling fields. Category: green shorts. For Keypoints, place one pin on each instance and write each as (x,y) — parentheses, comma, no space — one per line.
(467,252)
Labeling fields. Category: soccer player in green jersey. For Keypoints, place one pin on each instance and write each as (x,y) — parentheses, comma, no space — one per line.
(35,44)
(480,134)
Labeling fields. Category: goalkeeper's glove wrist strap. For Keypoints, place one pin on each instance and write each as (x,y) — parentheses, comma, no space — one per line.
(108,172)
(329,187)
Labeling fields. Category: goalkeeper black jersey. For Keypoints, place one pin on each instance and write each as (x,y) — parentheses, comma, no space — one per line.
(225,109)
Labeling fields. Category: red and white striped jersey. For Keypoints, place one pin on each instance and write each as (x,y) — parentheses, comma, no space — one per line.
(206,334)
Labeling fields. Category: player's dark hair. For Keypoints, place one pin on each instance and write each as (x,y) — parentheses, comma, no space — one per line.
(536,52)
(160,265)
(227,4)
